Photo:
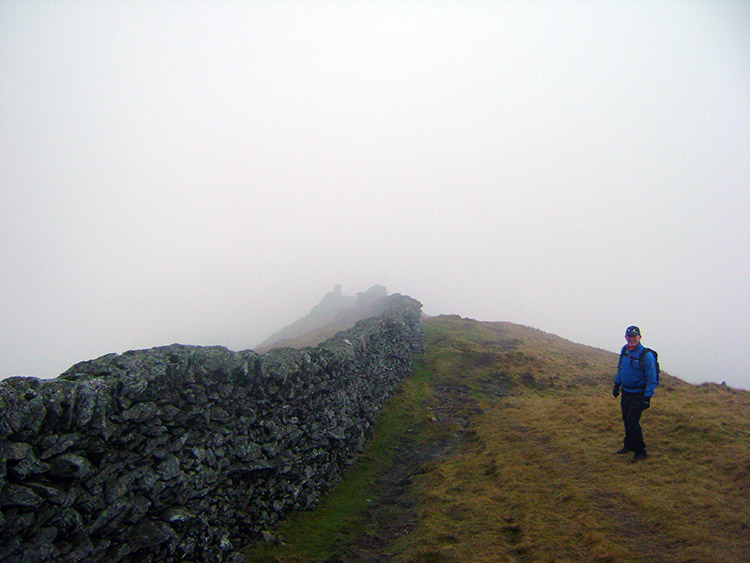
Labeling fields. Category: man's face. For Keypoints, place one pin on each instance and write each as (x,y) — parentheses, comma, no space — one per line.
(633,340)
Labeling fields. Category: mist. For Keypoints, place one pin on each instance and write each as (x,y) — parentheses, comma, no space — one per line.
(204,172)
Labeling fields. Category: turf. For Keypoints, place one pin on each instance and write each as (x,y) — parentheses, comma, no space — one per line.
(501,448)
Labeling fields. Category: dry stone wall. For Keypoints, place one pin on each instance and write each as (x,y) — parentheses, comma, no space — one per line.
(185,452)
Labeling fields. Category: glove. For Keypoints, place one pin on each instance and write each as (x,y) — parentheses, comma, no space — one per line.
(616,390)
(645,403)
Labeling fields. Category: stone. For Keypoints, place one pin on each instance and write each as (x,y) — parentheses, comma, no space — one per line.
(187,452)
(169,468)
(72,466)
(55,493)
(151,533)
(81,550)
(177,514)
(68,521)
(19,496)
(138,509)
(10,548)
(113,511)
(41,547)
(140,413)
(14,451)
(60,445)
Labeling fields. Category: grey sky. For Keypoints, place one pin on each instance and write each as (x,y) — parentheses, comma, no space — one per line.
(203,172)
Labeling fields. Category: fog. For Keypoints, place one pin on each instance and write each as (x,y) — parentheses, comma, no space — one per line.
(204,172)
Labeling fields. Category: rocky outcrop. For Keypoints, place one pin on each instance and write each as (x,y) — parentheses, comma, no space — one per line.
(185,452)
(334,313)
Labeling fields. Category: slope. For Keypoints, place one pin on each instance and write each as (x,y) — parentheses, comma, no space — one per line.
(500,448)
(334,313)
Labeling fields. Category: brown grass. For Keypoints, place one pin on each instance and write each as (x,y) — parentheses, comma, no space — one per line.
(531,475)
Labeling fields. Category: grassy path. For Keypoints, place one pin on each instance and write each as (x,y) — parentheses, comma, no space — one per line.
(500,448)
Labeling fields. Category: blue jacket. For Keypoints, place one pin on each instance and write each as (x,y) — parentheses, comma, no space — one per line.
(632,376)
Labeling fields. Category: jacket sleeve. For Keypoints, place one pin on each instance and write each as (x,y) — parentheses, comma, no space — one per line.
(649,363)
(618,377)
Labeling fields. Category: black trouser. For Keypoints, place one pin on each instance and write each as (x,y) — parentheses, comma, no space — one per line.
(631,416)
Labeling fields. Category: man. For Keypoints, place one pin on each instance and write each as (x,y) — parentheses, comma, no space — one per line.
(636,374)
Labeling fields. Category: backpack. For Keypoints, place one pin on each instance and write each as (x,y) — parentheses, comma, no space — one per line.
(640,359)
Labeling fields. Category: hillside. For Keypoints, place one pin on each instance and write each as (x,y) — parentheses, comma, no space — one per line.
(500,448)
(334,313)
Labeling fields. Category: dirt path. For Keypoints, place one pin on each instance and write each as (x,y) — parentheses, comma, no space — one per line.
(393,513)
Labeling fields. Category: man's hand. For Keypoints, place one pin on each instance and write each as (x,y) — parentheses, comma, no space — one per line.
(645,403)
(616,390)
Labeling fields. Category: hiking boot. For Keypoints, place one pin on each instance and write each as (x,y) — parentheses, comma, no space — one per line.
(623,451)
(639,456)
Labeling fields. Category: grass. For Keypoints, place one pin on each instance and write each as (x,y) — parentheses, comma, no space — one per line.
(319,535)
(522,427)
